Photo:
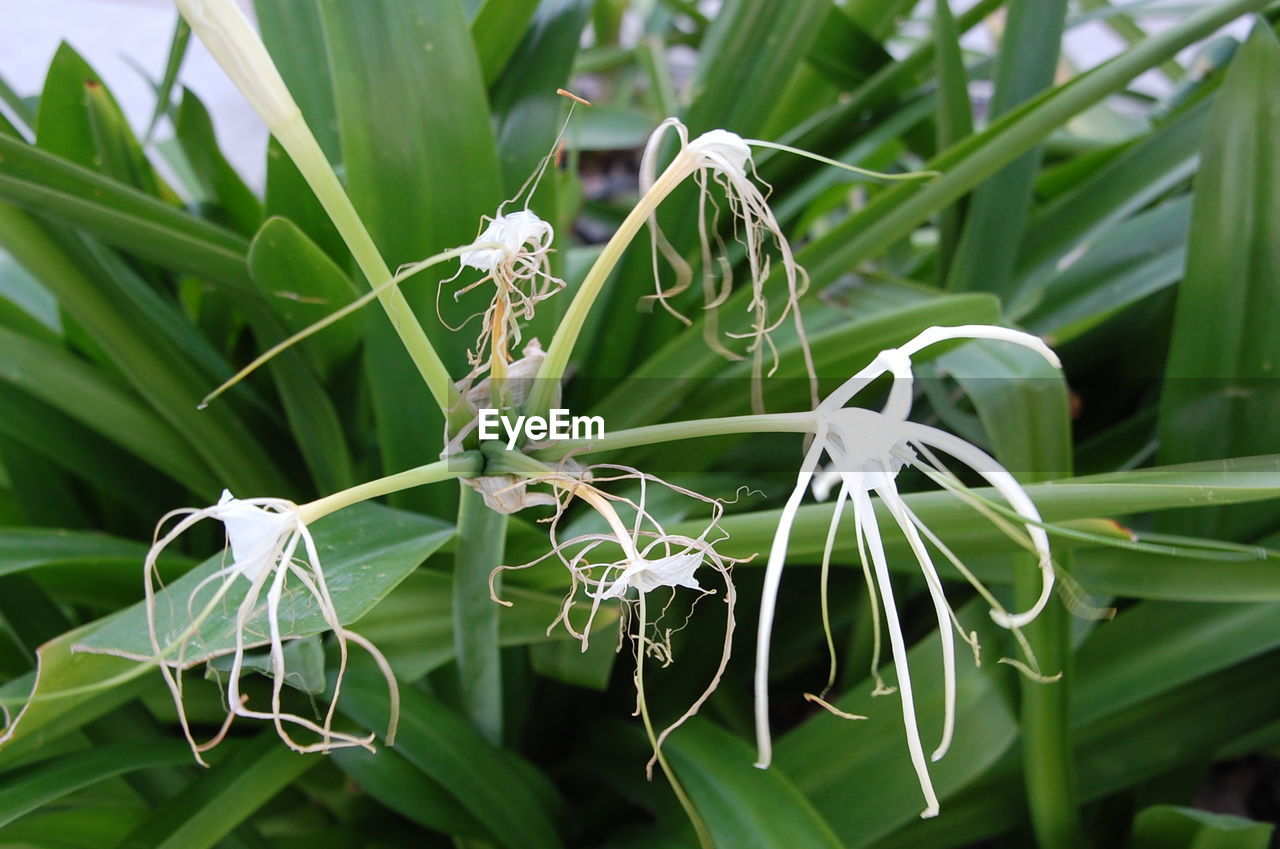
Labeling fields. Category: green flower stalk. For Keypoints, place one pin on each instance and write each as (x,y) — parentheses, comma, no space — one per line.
(229,36)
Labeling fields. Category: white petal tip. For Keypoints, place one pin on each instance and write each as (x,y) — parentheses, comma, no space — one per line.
(929,813)
(938,755)
(760,765)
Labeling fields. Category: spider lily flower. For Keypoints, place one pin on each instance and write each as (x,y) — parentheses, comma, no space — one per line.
(724,158)
(651,560)
(264,535)
(520,271)
(866,450)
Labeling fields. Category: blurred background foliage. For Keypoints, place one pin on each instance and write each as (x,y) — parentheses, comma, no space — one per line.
(1139,234)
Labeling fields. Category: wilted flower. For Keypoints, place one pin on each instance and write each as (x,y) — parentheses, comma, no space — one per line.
(520,271)
(651,559)
(724,157)
(867,449)
(264,535)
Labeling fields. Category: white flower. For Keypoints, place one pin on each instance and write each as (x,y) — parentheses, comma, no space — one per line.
(644,576)
(521,234)
(651,560)
(516,259)
(725,158)
(264,535)
(866,450)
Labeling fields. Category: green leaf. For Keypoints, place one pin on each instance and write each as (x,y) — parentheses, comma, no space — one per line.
(99,401)
(1000,206)
(173,64)
(35,786)
(240,208)
(160,375)
(365,551)
(211,806)
(120,215)
(421,170)
(1169,827)
(301,286)
(1118,494)
(497,29)
(955,121)
(487,781)
(1135,259)
(743,807)
(829,757)
(388,777)
(1220,397)
(294,35)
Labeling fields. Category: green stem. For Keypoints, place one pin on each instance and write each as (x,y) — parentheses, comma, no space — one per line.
(673,431)
(468,464)
(699,827)
(483,534)
(305,152)
(223,28)
(570,327)
(1047,760)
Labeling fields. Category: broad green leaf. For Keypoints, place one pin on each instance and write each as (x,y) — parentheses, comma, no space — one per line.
(1169,827)
(1220,397)
(497,28)
(35,786)
(1118,494)
(858,774)
(67,690)
(421,170)
(212,805)
(1154,647)
(488,782)
(292,31)
(120,215)
(365,551)
(302,286)
(743,807)
(99,401)
(388,777)
(161,376)
(237,206)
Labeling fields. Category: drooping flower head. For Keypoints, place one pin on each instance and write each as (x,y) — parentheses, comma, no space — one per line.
(264,537)
(724,158)
(630,559)
(866,450)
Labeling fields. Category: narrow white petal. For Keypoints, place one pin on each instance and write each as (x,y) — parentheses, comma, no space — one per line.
(991,471)
(769,599)
(864,515)
(889,495)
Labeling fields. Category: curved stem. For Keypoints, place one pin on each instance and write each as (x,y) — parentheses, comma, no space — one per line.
(575,317)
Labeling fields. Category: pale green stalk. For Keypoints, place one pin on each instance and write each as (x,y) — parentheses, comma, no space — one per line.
(673,431)
(464,465)
(575,316)
(236,46)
